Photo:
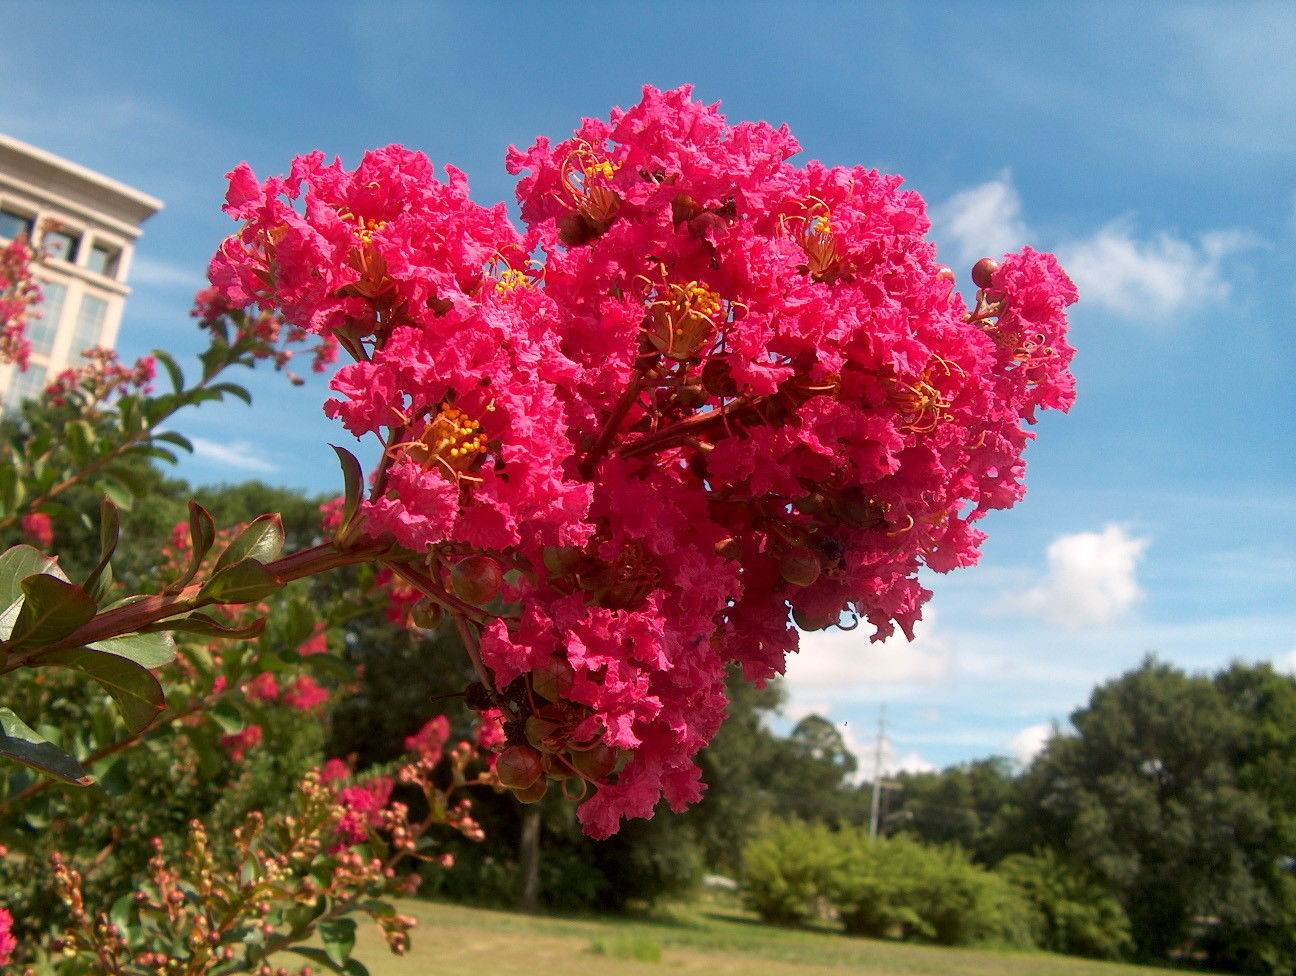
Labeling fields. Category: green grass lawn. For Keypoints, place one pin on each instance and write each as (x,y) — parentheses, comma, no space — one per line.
(453,941)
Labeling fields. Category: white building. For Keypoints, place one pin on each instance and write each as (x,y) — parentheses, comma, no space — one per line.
(87,224)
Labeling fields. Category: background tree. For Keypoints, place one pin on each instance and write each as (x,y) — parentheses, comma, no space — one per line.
(1174,791)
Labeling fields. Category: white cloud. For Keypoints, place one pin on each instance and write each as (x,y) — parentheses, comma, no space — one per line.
(1155,278)
(1152,278)
(983,221)
(1029,742)
(234,454)
(837,665)
(1091,578)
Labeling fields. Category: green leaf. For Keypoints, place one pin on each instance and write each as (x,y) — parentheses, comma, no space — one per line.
(16,564)
(101,587)
(244,582)
(262,540)
(233,389)
(137,693)
(353,483)
(148,650)
(338,936)
(118,492)
(20,741)
(172,368)
(79,438)
(52,609)
(202,535)
(109,535)
(207,626)
(179,440)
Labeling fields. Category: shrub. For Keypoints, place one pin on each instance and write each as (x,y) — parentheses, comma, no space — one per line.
(786,869)
(1071,911)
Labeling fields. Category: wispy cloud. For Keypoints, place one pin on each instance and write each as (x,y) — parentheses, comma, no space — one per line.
(1091,578)
(242,455)
(983,221)
(1154,277)
(162,274)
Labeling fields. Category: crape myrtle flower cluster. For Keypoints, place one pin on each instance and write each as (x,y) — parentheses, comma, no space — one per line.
(703,394)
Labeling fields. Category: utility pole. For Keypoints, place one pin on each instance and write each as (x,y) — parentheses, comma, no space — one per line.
(876,807)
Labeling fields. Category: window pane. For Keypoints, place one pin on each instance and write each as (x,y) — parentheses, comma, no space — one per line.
(89,324)
(12,224)
(60,244)
(103,260)
(42,330)
(25,386)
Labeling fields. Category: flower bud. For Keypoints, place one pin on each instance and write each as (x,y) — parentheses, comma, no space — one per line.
(477,697)
(427,614)
(717,379)
(595,763)
(534,792)
(814,620)
(554,679)
(800,566)
(983,271)
(518,767)
(477,579)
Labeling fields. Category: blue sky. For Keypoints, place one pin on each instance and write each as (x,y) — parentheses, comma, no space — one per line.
(1150,146)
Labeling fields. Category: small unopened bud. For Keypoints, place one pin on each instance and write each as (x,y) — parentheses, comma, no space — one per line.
(533,793)
(983,272)
(477,579)
(427,614)
(519,767)
(595,763)
(800,566)
(553,680)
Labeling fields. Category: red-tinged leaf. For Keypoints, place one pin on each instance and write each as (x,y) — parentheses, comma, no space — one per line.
(245,582)
(262,540)
(51,610)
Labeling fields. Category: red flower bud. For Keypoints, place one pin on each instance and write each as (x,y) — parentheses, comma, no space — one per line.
(534,792)
(595,763)
(553,680)
(518,767)
(983,271)
(800,566)
(477,579)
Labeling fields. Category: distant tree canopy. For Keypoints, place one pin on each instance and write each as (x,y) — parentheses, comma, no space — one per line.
(1176,790)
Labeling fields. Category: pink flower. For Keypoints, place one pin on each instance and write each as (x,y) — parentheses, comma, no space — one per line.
(428,740)
(7,941)
(263,688)
(305,694)
(364,805)
(489,733)
(39,529)
(335,770)
(317,643)
(730,395)
(238,744)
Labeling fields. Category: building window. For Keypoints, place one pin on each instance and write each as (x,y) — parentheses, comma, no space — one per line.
(42,327)
(14,224)
(60,244)
(89,324)
(24,386)
(103,259)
